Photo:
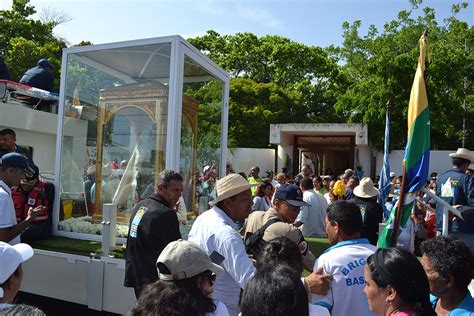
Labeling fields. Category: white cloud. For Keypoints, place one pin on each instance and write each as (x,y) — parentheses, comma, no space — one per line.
(258,15)
(212,7)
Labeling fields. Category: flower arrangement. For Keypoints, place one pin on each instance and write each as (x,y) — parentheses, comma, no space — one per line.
(85,225)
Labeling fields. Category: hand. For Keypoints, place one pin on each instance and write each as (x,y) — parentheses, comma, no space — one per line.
(254,262)
(318,283)
(176,207)
(34,212)
(414,218)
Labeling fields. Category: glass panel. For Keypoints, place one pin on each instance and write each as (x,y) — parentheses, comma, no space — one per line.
(200,135)
(114,135)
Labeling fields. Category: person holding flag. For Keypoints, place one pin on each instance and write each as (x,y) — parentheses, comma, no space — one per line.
(417,154)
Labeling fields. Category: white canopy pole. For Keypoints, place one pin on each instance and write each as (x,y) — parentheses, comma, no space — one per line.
(446,209)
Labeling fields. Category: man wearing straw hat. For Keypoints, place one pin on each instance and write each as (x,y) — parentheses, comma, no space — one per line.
(372,213)
(455,186)
(215,231)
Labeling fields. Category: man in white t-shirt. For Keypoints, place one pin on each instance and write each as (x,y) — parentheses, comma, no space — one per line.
(311,219)
(345,261)
(215,231)
(12,169)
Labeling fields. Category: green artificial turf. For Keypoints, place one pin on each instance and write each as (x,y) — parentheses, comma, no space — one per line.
(86,247)
(317,245)
(75,246)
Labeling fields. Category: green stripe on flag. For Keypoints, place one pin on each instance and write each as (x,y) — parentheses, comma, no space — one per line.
(386,236)
(419,141)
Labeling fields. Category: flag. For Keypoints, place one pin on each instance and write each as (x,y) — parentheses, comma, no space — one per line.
(417,152)
(385,183)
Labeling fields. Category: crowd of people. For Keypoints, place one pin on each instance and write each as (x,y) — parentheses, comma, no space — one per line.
(247,252)
(255,233)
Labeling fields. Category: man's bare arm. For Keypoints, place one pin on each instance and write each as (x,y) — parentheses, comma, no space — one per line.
(9,233)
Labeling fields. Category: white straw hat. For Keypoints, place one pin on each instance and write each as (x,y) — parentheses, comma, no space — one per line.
(463,153)
(366,189)
(231,185)
(184,259)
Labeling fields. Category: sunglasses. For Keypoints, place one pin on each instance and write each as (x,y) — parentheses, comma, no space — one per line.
(29,180)
(211,276)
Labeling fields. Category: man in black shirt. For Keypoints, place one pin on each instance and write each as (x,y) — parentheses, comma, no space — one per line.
(365,196)
(153,225)
(4,72)
(40,77)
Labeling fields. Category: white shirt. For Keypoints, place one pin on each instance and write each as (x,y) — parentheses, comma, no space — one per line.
(317,310)
(327,198)
(214,231)
(345,262)
(260,203)
(313,216)
(406,239)
(221,310)
(7,210)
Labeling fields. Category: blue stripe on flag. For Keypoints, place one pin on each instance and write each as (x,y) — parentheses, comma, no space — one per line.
(416,176)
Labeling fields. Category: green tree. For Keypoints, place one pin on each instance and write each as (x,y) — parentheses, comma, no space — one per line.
(252,108)
(280,81)
(24,40)
(382,66)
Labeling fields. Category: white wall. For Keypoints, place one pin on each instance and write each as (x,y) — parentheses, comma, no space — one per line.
(38,129)
(363,157)
(439,161)
(33,128)
(245,158)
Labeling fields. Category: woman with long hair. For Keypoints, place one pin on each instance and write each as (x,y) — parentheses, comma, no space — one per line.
(185,285)
(263,200)
(318,185)
(275,291)
(395,284)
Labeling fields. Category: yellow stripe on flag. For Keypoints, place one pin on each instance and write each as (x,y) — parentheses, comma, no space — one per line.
(418,97)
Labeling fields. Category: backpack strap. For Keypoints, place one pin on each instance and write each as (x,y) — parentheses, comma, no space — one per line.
(255,237)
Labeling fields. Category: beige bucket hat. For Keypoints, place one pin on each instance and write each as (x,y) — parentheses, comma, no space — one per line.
(366,189)
(231,185)
(463,153)
(184,259)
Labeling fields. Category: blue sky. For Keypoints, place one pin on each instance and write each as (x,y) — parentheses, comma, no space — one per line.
(313,22)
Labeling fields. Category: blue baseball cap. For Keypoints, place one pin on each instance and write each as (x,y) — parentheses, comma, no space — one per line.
(44,62)
(16,160)
(291,194)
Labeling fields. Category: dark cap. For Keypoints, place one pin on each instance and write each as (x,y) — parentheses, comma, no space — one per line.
(14,160)
(44,62)
(32,171)
(291,194)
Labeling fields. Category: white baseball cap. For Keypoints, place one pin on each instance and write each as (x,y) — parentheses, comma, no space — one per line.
(185,259)
(10,258)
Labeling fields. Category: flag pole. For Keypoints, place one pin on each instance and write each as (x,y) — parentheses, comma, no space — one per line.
(401,200)
(400,204)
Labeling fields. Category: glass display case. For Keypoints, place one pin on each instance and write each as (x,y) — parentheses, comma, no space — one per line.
(128,111)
